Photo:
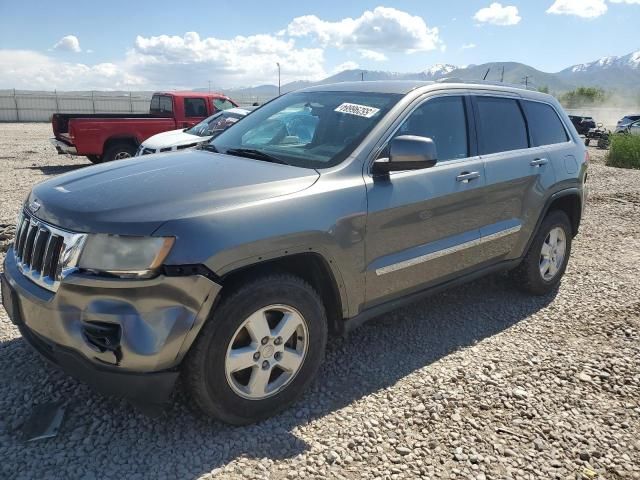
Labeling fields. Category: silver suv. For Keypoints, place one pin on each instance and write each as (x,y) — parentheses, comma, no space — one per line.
(231,265)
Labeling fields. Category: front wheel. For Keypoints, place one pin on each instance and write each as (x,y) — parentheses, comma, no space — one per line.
(546,260)
(259,351)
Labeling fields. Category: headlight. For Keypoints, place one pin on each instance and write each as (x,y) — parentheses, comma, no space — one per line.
(131,257)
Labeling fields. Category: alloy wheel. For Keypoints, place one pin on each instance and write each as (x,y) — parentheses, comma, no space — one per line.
(553,252)
(266,352)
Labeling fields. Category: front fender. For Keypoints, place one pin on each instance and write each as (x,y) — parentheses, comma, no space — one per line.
(328,219)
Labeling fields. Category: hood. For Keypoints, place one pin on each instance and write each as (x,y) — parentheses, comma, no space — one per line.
(172,138)
(136,196)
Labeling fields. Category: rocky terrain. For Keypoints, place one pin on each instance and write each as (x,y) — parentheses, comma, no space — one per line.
(480,382)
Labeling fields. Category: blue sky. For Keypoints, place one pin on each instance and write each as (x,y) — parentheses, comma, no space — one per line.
(147,44)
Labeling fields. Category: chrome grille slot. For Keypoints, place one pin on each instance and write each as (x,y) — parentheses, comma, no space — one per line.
(46,254)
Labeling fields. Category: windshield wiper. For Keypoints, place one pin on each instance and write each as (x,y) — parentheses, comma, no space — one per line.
(256,154)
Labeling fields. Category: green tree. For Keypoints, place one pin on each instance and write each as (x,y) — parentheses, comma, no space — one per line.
(583,96)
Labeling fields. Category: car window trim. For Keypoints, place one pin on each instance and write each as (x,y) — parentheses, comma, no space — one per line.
(472,147)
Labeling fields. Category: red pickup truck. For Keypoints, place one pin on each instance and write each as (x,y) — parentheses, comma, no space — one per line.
(106,137)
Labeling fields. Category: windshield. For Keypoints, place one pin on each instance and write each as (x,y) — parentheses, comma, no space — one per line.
(308,129)
(215,124)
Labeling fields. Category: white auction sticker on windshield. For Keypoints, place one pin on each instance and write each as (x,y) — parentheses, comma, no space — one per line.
(355,109)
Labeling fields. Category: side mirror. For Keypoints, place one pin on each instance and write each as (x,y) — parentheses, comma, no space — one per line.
(407,152)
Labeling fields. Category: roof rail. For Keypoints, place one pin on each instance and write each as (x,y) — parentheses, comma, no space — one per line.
(481,82)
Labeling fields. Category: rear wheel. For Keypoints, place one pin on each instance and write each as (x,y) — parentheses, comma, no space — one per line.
(259,351)
(544,264)
(119,151)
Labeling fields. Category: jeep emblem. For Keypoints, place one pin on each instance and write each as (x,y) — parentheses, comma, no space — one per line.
(34,206)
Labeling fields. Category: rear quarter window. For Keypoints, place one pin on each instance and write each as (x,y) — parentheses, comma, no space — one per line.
(502,125)
(545,126)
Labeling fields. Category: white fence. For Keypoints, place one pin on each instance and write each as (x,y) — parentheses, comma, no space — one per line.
(17,106)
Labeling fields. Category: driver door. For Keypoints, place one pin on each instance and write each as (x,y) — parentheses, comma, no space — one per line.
(423,226)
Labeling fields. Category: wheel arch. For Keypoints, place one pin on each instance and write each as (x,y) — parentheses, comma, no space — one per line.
(313,268)
(570,202)
(109,142)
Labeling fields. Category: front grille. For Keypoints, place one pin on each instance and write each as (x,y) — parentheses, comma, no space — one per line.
(45,254)
(147,151)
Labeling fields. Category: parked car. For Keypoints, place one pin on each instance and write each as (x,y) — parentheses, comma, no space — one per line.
(105,137)
(190,137)
(582,124)
(631,128)
(230,266)
(625,122)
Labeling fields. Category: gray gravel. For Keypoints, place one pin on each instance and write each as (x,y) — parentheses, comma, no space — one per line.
(480,382)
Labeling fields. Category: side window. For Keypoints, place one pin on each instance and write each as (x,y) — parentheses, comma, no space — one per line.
(161,104)
(545,126)
(502,126)
(444,120)
(222,104)
(195,107)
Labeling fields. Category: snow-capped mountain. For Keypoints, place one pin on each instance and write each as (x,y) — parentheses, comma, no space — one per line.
(610,73)
(440,70)
(632,61)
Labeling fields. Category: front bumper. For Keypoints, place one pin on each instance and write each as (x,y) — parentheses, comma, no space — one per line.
(62,147)
(124,337)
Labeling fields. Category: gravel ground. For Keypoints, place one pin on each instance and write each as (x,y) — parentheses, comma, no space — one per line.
(480,382)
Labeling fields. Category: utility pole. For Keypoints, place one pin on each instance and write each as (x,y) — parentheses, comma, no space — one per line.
(485,75)
(278,64)
(526,81)
(502,76)
(362,76)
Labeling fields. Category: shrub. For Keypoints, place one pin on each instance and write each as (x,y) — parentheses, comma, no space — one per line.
(624,151)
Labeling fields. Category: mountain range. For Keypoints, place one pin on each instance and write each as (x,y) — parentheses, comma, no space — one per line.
(613,74)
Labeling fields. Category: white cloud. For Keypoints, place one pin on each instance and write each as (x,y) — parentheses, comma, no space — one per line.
(190,60)
(383,28)
(68,43)
(346,66)
(31,70)
(373,55)
(468,46)
(497,14)
(629,2)
(579,8)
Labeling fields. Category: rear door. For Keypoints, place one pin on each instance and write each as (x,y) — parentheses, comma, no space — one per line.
(423,226)
(518,174)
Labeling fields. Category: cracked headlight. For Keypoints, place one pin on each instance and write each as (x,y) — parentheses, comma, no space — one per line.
(128,257)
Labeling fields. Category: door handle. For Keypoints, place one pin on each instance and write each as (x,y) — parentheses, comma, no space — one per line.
(538,162)
(466,177)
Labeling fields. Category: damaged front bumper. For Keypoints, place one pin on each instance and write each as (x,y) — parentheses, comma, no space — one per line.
(124,337)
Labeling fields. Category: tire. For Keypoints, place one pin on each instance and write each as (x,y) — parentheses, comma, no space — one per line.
(95,158)
(586,142)
(220,394)
(119,151)
(528,275)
